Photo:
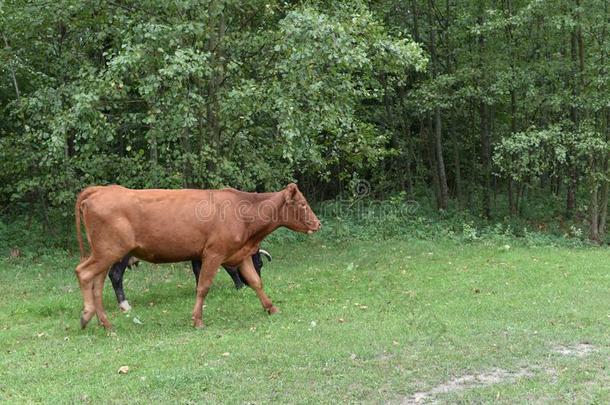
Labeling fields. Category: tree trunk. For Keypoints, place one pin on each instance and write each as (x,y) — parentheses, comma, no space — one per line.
(407,176)
(521,197)
(433,163)
(485,136)
(577,59)
(485,158)
(12,72)
(457,167)
(415,20)
(593,204)
(47,228)
(443,191)
(154,154)
(571,192)
(603,216)
(512,207)
(603,206)
(440,163)
(214,45)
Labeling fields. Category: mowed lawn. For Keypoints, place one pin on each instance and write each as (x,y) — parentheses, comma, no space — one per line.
(387,322)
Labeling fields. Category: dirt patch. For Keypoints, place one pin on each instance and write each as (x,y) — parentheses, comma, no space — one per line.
(577,350)
(385,356)
(465,382)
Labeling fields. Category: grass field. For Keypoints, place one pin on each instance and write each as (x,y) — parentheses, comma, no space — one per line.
(397,322)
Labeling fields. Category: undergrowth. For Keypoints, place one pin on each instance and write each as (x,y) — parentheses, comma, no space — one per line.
(359,219)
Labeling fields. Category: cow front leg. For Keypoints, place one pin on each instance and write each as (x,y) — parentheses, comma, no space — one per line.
(248,271)
(116,274)
(206,276)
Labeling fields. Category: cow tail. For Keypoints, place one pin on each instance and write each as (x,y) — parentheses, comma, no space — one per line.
(77,214)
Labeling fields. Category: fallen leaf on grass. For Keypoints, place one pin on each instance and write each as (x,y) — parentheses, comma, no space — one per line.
(123,369)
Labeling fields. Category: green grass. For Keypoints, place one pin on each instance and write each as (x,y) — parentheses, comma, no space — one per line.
(360,322)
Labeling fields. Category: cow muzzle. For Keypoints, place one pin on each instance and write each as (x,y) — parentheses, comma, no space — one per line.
(316,227)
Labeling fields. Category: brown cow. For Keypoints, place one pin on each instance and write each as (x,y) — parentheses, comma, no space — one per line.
(163,226)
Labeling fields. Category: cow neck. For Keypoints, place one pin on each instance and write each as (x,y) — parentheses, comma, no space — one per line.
(261,227)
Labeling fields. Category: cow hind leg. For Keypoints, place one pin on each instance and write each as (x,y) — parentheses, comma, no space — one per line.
(85,274)
(98,290)
(248,271)
(109,243)
(206,276)
(88,273)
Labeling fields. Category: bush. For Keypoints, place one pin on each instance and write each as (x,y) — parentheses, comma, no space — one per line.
(343,220)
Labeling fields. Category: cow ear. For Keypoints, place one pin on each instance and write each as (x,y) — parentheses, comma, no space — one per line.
(290,191)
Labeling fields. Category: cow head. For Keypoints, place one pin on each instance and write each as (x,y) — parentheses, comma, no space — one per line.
(297,213)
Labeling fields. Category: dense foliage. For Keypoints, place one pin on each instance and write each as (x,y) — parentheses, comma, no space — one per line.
(481,105)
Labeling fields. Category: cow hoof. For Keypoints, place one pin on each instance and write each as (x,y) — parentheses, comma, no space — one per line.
(124,305)
(273,310)
(198,324)
(85,317)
